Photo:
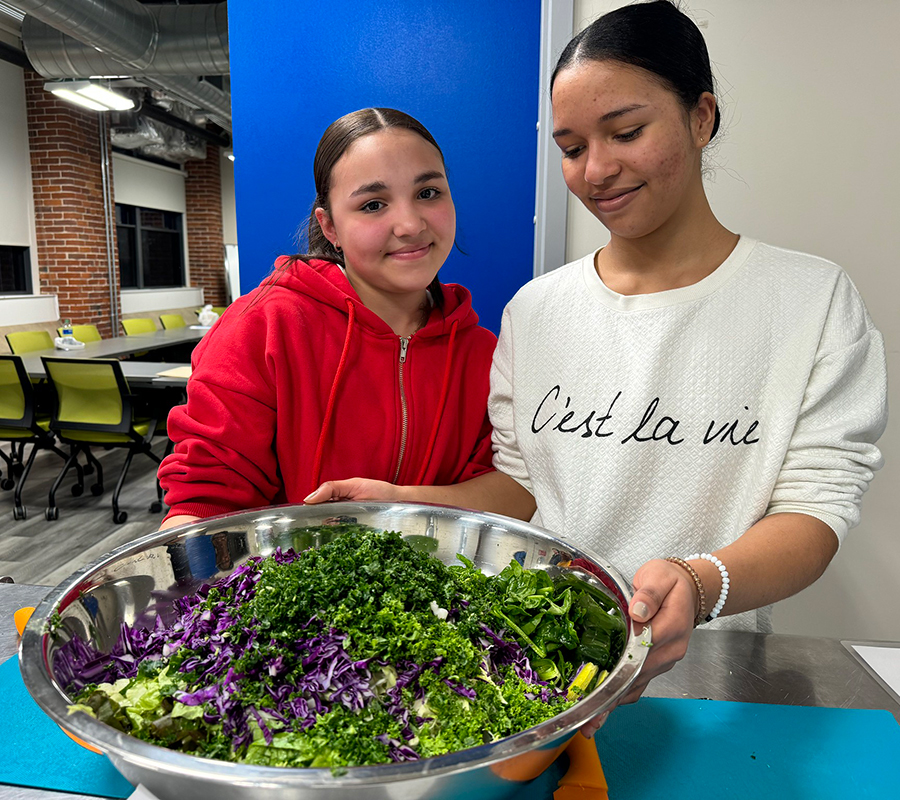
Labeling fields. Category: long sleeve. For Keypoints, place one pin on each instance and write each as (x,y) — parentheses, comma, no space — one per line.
(507,456)
(832,455)
(224,458)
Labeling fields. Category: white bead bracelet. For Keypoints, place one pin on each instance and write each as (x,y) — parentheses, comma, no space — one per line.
(720,603)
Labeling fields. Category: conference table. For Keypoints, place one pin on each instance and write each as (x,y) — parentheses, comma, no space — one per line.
(136,372)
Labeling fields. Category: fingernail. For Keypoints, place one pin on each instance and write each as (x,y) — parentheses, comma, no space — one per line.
(640,610)
(310,495)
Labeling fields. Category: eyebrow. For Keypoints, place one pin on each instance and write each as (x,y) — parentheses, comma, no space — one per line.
(380,186)
(605,118)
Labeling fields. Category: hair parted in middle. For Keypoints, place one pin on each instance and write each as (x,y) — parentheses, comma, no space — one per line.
(655,36)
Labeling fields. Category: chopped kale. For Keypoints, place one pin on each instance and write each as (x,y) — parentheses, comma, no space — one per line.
(359,650)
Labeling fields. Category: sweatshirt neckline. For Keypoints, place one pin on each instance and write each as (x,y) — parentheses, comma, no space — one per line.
(671,297)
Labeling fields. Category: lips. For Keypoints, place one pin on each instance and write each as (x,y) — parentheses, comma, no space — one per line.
(412,252)
(615,200)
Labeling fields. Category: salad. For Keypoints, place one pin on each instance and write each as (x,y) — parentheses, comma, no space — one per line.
(362,651)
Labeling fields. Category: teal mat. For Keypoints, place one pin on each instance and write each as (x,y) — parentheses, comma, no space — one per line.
(37,753)
(654,749)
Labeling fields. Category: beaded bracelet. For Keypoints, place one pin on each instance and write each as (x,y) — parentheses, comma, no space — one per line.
(701,592)
(726,581)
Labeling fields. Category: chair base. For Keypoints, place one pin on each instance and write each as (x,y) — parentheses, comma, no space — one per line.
(119,516)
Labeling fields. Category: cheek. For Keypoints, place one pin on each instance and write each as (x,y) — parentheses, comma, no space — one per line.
(442,220)
(364,237)
(667,164)
(573,175)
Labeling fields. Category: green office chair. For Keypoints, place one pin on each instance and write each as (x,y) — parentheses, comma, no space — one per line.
(83,333)
(139,325)
(94,407)
(20,425)
(28,341)
(170,321)
(218,309)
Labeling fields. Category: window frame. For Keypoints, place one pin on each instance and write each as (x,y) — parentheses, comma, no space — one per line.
(138,253)
(22,264)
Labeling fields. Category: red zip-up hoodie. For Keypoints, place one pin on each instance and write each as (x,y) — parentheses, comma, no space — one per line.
(299,383)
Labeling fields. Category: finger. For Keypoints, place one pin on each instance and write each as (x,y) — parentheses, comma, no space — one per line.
(323,494)
(644,605)
(592,726)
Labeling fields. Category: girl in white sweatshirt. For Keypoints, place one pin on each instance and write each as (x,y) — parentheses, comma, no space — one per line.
(684,391)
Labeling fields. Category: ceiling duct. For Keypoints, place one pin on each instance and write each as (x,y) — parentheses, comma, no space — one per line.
(163,46)
(191,40)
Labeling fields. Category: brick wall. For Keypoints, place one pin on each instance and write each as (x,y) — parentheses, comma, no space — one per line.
(206,251)
(64,142)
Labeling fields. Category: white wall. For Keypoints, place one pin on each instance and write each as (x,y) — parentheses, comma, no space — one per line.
(808,159)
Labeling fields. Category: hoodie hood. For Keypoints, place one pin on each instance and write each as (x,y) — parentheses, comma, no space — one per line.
(325,282)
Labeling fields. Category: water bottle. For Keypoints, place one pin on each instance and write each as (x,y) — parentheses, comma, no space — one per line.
(68,336)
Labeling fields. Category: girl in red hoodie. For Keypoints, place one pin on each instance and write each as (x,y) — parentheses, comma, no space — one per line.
(351,360)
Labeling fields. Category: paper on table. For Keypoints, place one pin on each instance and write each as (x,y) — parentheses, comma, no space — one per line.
(883,660)
(175,372)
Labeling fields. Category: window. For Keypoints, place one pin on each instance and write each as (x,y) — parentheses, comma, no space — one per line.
(15,270)
(151,247)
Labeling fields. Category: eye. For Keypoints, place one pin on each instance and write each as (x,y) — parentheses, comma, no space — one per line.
(372,206)
(430,193)
(573,152)
(629,136)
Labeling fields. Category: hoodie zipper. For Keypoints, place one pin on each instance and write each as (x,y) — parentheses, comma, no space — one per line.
(404,420)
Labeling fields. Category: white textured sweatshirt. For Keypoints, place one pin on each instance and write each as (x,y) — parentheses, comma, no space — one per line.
(669,423)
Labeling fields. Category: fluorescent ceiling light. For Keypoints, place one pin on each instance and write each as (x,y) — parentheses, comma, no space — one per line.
(90,95)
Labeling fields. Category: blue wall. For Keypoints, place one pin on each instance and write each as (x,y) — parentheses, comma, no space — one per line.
(468,69)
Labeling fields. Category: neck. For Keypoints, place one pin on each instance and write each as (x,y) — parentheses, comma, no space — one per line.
(404,314)
(685,250)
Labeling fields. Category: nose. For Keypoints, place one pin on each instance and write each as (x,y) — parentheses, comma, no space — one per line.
(600,165)
(408,221)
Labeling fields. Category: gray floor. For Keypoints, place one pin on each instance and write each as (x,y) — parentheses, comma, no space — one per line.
(37,551)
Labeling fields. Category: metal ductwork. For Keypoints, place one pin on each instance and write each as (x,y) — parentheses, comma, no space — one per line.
(191,40)
(163,46)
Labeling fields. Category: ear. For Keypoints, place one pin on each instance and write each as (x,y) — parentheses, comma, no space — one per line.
(704,118)
(327,226)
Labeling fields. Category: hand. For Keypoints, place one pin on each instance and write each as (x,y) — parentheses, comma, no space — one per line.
(355,489)
(593,725)
(667,598)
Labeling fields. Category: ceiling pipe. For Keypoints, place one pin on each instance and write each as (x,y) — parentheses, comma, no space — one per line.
(129,34)
(161,115)
(192,40)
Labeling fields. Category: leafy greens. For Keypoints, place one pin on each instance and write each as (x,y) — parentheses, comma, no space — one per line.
(361,651)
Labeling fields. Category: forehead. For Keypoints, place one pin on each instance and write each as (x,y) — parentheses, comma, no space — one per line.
(597,87)
(389,156)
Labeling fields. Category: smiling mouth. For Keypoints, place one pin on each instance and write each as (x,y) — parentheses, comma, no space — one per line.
(410,254)
(616,201)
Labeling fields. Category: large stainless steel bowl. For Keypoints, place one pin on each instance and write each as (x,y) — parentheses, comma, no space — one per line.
(139,581)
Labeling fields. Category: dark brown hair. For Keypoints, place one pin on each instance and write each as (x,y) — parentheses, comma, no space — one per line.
(334,143)
(656,37)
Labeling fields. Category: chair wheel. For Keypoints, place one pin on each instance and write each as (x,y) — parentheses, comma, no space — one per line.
(19,512)
(155,507)
(97,489)
(77,490)
(7,483)
(52,513)
(120,517)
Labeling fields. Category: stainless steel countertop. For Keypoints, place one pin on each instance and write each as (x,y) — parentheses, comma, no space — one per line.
(719,665)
